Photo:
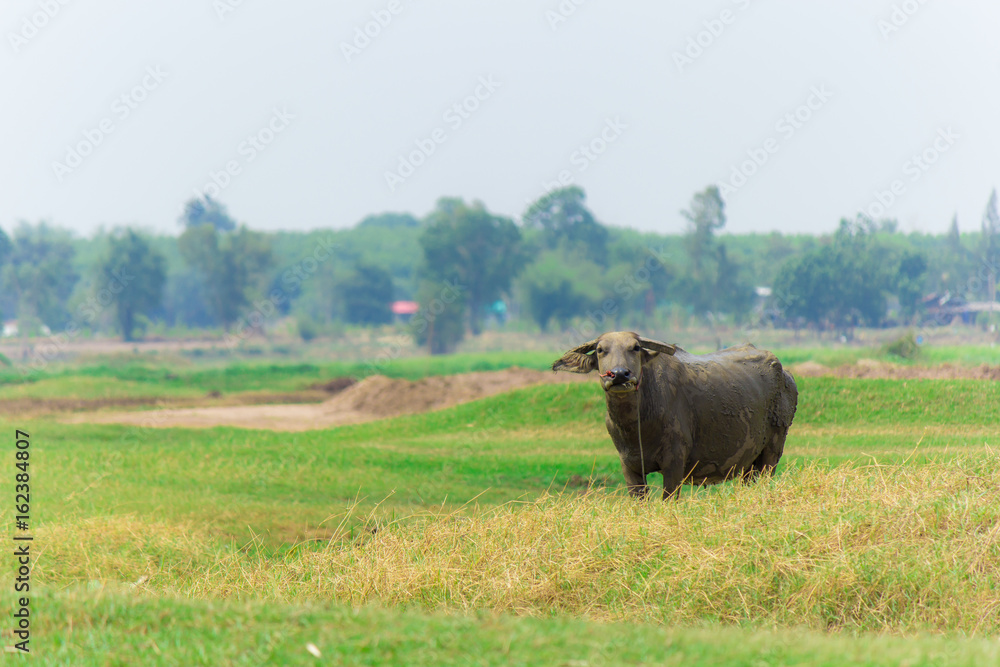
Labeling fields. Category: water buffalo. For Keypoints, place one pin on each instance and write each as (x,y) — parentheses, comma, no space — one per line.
(704,418)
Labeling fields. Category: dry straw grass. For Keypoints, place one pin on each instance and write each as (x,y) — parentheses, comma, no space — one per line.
(897,548)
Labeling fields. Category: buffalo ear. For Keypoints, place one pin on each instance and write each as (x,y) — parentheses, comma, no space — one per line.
(654,347)
(580,359)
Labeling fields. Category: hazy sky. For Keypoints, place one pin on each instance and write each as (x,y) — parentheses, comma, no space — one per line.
(117,112)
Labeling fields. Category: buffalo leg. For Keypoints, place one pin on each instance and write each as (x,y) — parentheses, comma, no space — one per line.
(635,481)
(768,459)
(672,480)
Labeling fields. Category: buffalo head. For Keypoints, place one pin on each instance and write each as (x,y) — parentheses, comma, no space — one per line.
(618,357)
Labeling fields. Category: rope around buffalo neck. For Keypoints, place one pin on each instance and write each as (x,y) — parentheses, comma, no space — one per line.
(638,419)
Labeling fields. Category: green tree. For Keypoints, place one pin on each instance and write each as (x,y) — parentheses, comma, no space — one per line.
(843,283)
(231,266)
(955,238)
(479,252)
(366,295)
(730,293)
(6,248)
(955,247)
(559,286)
(991,243)
(715,280)
(706,216)
(440,323)
(39,274)
(910,278)
(563,218)
(141,272)
(638,278)
(207,211)
(389,221)
(185,300)
(950,263)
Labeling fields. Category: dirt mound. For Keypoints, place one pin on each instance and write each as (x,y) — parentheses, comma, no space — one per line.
(39,407)
(872,368)
(809,369)
(373,398)
(380,396)
(335,386)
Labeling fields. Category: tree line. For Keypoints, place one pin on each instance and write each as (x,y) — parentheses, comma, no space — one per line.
(469,268)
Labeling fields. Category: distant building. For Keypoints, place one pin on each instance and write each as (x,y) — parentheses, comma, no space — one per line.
(761,312)
(402,311)
(942,309)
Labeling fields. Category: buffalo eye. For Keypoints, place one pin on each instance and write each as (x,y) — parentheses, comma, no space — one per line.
(637,348)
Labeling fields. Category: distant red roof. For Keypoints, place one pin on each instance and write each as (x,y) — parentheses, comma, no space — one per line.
(405,307)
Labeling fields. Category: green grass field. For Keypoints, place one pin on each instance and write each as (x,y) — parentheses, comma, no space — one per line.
(497,532)
(128,376)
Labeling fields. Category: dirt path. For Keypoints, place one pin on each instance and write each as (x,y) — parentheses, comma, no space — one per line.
(373,398)
(33,408)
